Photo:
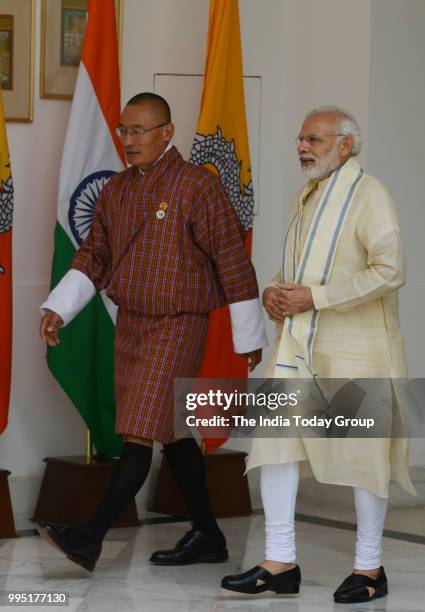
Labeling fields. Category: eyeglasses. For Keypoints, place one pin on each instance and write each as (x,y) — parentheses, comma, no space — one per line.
(136,132)
(313,139)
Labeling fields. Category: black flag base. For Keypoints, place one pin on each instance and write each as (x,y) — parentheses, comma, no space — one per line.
(72,488)
(7,524)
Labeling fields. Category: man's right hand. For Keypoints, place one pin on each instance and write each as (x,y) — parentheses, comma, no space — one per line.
(50,324)
(273,303)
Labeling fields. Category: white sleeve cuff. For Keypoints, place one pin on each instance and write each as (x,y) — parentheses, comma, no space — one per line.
(70,295)
(248,329)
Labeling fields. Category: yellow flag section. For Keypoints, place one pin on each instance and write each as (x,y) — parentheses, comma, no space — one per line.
(222,122)
(221,144)
(6,215)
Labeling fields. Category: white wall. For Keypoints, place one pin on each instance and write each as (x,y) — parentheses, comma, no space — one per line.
(396,139)
(308,52)
(396,143)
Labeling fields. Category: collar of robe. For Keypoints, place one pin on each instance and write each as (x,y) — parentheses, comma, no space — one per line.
(167,148)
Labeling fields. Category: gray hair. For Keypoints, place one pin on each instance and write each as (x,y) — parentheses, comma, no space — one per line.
(348,125)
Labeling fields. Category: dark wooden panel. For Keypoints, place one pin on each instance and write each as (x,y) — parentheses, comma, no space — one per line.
(227,487)
(72,489)
(7,524)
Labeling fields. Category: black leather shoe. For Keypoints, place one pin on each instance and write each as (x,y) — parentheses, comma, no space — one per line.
(354,588)
(283,583)
(194,547)
(77,543)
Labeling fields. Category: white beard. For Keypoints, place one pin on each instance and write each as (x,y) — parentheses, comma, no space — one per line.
(323,167)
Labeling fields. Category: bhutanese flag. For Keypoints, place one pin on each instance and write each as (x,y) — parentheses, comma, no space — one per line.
(221,144)
(6,217)
(83,363)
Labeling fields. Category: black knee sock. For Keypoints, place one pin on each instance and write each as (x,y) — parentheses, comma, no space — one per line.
(187,466)
(131,472)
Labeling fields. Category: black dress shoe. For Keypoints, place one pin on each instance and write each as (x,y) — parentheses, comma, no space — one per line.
(285,582)
(354,588)
(77,543)
(194,547)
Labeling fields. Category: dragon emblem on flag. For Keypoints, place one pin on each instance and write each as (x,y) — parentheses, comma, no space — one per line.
(6,206)
(215,150)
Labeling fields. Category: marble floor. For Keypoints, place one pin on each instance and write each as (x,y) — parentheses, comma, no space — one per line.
(124,580)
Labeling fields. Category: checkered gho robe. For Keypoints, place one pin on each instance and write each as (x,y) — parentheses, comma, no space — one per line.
(165,274)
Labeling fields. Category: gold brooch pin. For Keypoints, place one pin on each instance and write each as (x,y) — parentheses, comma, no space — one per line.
(163,206)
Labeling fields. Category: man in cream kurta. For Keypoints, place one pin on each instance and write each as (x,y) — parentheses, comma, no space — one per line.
(335,304)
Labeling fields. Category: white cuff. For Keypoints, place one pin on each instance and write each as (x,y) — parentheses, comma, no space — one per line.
(70,295)
(248,329)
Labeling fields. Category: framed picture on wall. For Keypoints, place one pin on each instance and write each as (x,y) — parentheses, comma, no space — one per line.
(6,52)
(63,24)
(17,58)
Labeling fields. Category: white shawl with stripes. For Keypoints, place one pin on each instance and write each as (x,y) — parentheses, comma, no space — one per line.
(313,266)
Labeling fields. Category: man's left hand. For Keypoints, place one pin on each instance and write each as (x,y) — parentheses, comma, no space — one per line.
(254,358)
(296,298)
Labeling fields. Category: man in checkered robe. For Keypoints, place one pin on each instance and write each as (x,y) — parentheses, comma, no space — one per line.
(167,247)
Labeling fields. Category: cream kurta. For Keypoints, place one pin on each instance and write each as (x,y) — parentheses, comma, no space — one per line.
(358,336)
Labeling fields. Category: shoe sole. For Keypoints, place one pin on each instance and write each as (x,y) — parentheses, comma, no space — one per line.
(207,558)
(265,587)
(87,565)
(382,592)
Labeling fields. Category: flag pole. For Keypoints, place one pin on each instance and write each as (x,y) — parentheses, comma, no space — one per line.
(89,450)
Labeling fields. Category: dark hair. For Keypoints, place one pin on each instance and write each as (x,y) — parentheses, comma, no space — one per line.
(159,105)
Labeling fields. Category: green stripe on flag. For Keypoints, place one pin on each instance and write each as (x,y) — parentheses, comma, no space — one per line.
(83,362)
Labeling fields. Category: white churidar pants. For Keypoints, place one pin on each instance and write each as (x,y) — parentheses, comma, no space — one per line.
(279,486)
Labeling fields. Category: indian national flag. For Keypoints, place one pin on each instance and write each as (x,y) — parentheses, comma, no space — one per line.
(6,214)
(221,144)
(83,363)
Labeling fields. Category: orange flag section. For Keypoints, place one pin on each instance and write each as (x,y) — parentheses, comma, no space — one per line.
(6,211)
(221,144)
(101,61)
(223,99)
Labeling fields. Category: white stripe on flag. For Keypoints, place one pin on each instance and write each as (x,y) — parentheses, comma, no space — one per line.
(89,146)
